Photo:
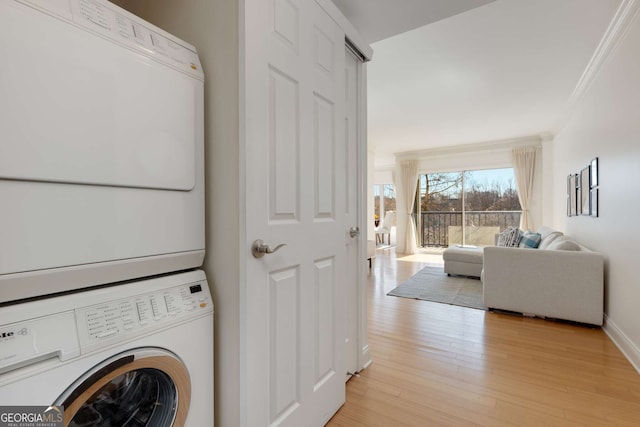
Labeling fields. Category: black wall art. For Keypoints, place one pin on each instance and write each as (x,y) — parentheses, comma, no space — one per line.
(583,191)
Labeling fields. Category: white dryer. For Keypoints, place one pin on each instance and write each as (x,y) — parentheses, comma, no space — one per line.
(136,354)
(102,153)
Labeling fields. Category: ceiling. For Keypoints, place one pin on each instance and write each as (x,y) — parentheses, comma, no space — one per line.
(483,71)
(380,19)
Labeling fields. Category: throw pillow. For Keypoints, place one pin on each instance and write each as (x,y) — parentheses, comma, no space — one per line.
(548,239)
(545,231)
(530,239)
(564,244)
(509,237)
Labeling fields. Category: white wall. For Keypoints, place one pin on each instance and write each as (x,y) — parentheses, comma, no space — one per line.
(370,198)
(383,176)
(486,155)
(212,27)
(606,124)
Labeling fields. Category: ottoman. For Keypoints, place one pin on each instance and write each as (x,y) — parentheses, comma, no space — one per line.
(463,261)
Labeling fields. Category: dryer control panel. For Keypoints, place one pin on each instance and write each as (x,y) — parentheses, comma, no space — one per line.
(141,314)
(113,22)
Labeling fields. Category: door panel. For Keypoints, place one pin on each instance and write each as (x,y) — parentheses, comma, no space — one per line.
(324,323)
(283,328)
(324,141)
(286,22)
(294,315)
(284,185)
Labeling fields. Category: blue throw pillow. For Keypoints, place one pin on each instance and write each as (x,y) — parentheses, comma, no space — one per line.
(530,240)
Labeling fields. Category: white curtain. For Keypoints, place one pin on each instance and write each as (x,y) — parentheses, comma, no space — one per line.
(524,162)
(409,180)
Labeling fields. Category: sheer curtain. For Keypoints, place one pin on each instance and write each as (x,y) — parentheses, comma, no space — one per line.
(409,180)
(524,161)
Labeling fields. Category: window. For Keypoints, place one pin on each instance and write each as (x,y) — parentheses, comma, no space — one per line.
(468,207)
(385,203)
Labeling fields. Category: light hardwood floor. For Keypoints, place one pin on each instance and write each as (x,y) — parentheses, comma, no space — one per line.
(441,365)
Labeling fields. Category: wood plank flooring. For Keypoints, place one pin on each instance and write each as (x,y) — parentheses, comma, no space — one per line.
(441,365)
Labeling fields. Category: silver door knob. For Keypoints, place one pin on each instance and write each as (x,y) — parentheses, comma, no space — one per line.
(258,248)
(354,231)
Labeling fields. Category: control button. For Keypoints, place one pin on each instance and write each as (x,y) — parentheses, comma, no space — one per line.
(143,311)
(172,303)
(203,304)
(158,307)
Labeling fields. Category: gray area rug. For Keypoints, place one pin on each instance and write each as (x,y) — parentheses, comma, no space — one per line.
(433,284)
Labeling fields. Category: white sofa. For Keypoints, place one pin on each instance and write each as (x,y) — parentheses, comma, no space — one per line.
(561,279)
(462,261)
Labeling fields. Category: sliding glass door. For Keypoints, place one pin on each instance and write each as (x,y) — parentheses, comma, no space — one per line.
(440,209)
(466,208)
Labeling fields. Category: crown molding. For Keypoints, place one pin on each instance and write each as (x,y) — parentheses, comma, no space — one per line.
(615,33)
(471,149)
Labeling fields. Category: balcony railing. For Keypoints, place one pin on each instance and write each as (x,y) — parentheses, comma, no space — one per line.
(442,229)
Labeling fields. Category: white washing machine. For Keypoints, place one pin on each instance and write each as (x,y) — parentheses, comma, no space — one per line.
(135,354)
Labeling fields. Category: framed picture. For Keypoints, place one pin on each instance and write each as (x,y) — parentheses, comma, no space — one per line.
(585,191)
(571,195)
(594,202)
(594,173)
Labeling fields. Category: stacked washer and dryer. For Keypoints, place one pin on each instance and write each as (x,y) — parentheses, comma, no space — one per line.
(103,309)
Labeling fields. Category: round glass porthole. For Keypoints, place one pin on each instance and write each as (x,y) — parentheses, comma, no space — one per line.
(138,388)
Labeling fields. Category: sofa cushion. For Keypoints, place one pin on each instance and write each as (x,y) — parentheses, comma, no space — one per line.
(563,243)
(509,237)
(545,231)
(548,238)
(530,239)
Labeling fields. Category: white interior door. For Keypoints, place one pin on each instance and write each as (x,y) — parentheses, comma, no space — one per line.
(294,310)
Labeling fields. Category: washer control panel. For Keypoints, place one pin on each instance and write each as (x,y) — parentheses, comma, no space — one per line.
(142,313)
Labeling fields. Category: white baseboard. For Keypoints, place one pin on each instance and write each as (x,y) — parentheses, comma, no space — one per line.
(626,346)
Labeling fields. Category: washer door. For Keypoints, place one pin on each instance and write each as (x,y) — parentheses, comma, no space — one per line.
(140,387)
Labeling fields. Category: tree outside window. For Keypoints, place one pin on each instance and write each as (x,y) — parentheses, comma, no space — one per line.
(384,199)
(490,202)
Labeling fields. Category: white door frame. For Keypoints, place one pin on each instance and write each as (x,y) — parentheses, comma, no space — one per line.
(364,355)
(362,49)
